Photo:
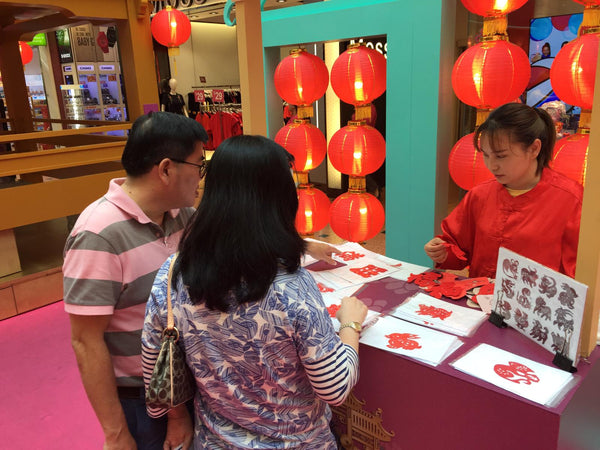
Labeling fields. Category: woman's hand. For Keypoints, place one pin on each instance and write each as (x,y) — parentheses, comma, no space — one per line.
(352,310)
(321,251)
(180,431)
(436,249)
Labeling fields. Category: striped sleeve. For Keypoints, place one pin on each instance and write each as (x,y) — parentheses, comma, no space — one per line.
(334,376)
(152,332)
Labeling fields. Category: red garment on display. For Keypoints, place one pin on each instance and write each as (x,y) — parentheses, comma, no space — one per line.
(542,224)
(224,125)
(204,120)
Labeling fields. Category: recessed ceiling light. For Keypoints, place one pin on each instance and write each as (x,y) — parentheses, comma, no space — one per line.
(213,13)
(281,1)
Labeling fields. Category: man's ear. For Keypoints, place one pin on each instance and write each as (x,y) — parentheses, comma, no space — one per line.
(165,170)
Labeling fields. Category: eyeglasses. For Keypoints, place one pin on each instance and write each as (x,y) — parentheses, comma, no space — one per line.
(201,167)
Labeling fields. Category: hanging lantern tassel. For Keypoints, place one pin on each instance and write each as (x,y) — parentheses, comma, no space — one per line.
(363,112)
(494,28)
(304,111)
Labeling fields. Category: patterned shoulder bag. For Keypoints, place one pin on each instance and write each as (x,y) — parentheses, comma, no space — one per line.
(171,383)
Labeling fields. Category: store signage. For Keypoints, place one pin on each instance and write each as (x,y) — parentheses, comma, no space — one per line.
(85,67)
(377,44)
(68,68)
(218,96)
(38,39)
(199,95)
(107,67)
(162,4)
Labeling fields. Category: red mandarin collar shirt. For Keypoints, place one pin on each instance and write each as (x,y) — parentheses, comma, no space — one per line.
(542,224)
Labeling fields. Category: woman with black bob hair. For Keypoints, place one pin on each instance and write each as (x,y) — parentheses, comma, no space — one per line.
(253,325)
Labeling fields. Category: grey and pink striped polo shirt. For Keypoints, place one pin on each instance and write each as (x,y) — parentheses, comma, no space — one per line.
(111,258)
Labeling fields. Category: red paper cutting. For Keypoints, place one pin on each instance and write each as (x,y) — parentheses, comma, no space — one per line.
(516,372)
(403,340)
(349,256)
(333,309)
(368,271)
(428,310)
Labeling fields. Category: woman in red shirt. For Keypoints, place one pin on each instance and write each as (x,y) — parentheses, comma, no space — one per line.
(528,208)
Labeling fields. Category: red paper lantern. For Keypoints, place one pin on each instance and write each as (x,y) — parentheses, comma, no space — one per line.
(358,75)
(573,71)
(357,149)
(492,8)
(588,2)
(301,78)
(170,27)
(570,156)
(356,217)
(26,52)
(490,74)
(313,211)
(306,142)
(466,165)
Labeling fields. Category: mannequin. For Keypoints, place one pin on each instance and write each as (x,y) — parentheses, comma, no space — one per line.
(171,101)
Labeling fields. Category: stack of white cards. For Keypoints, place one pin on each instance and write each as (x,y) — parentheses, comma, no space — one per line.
(333,301)
(521,376)
(404,338)
(426,310)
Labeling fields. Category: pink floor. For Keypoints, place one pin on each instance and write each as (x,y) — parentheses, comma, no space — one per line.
(42,401)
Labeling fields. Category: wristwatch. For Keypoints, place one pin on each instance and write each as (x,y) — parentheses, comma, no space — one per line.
(356,326)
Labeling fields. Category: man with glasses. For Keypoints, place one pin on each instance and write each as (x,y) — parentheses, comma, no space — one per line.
(111,257)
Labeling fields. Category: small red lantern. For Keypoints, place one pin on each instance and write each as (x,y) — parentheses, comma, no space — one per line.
(301,78)
(305,141)
(357,149)
(356,217)
(570,156)
(492,8)
(573,71)
(170,27)
(313,210)
(490,74)
(358,75)
(588,2)
(26,52)
(466,165)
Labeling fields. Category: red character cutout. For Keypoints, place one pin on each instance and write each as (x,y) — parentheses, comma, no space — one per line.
(368,271)
(428,310)
(349,256)
(516,372)
(323,288)
(333,309)
(403,340)
(424,279)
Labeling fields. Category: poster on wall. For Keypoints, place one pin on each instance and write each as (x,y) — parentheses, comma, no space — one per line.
(541,303)
(547,35)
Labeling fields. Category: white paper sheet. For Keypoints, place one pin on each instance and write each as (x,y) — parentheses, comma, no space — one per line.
(544,305)
(426,310)
(405,338)
(521,376)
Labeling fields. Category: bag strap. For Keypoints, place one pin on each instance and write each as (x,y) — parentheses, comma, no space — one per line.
(170,320)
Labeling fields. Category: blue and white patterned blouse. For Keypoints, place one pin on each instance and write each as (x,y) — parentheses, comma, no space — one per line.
(265,371)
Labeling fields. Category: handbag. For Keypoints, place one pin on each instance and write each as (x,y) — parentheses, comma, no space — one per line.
(171,383)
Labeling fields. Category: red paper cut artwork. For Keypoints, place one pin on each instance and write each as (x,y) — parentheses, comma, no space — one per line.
(516,372)
(403,340)
(368,271)
(323,288)
(349,256)
(424,279)
(333,309)
(428,310)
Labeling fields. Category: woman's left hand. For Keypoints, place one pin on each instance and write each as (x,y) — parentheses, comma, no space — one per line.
(180,431)
(321,251)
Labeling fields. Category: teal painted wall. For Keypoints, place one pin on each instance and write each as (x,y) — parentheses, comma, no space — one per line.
(413,30)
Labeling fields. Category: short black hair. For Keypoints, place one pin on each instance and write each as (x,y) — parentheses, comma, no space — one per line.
(522,124)
(158,135)
(244,229)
